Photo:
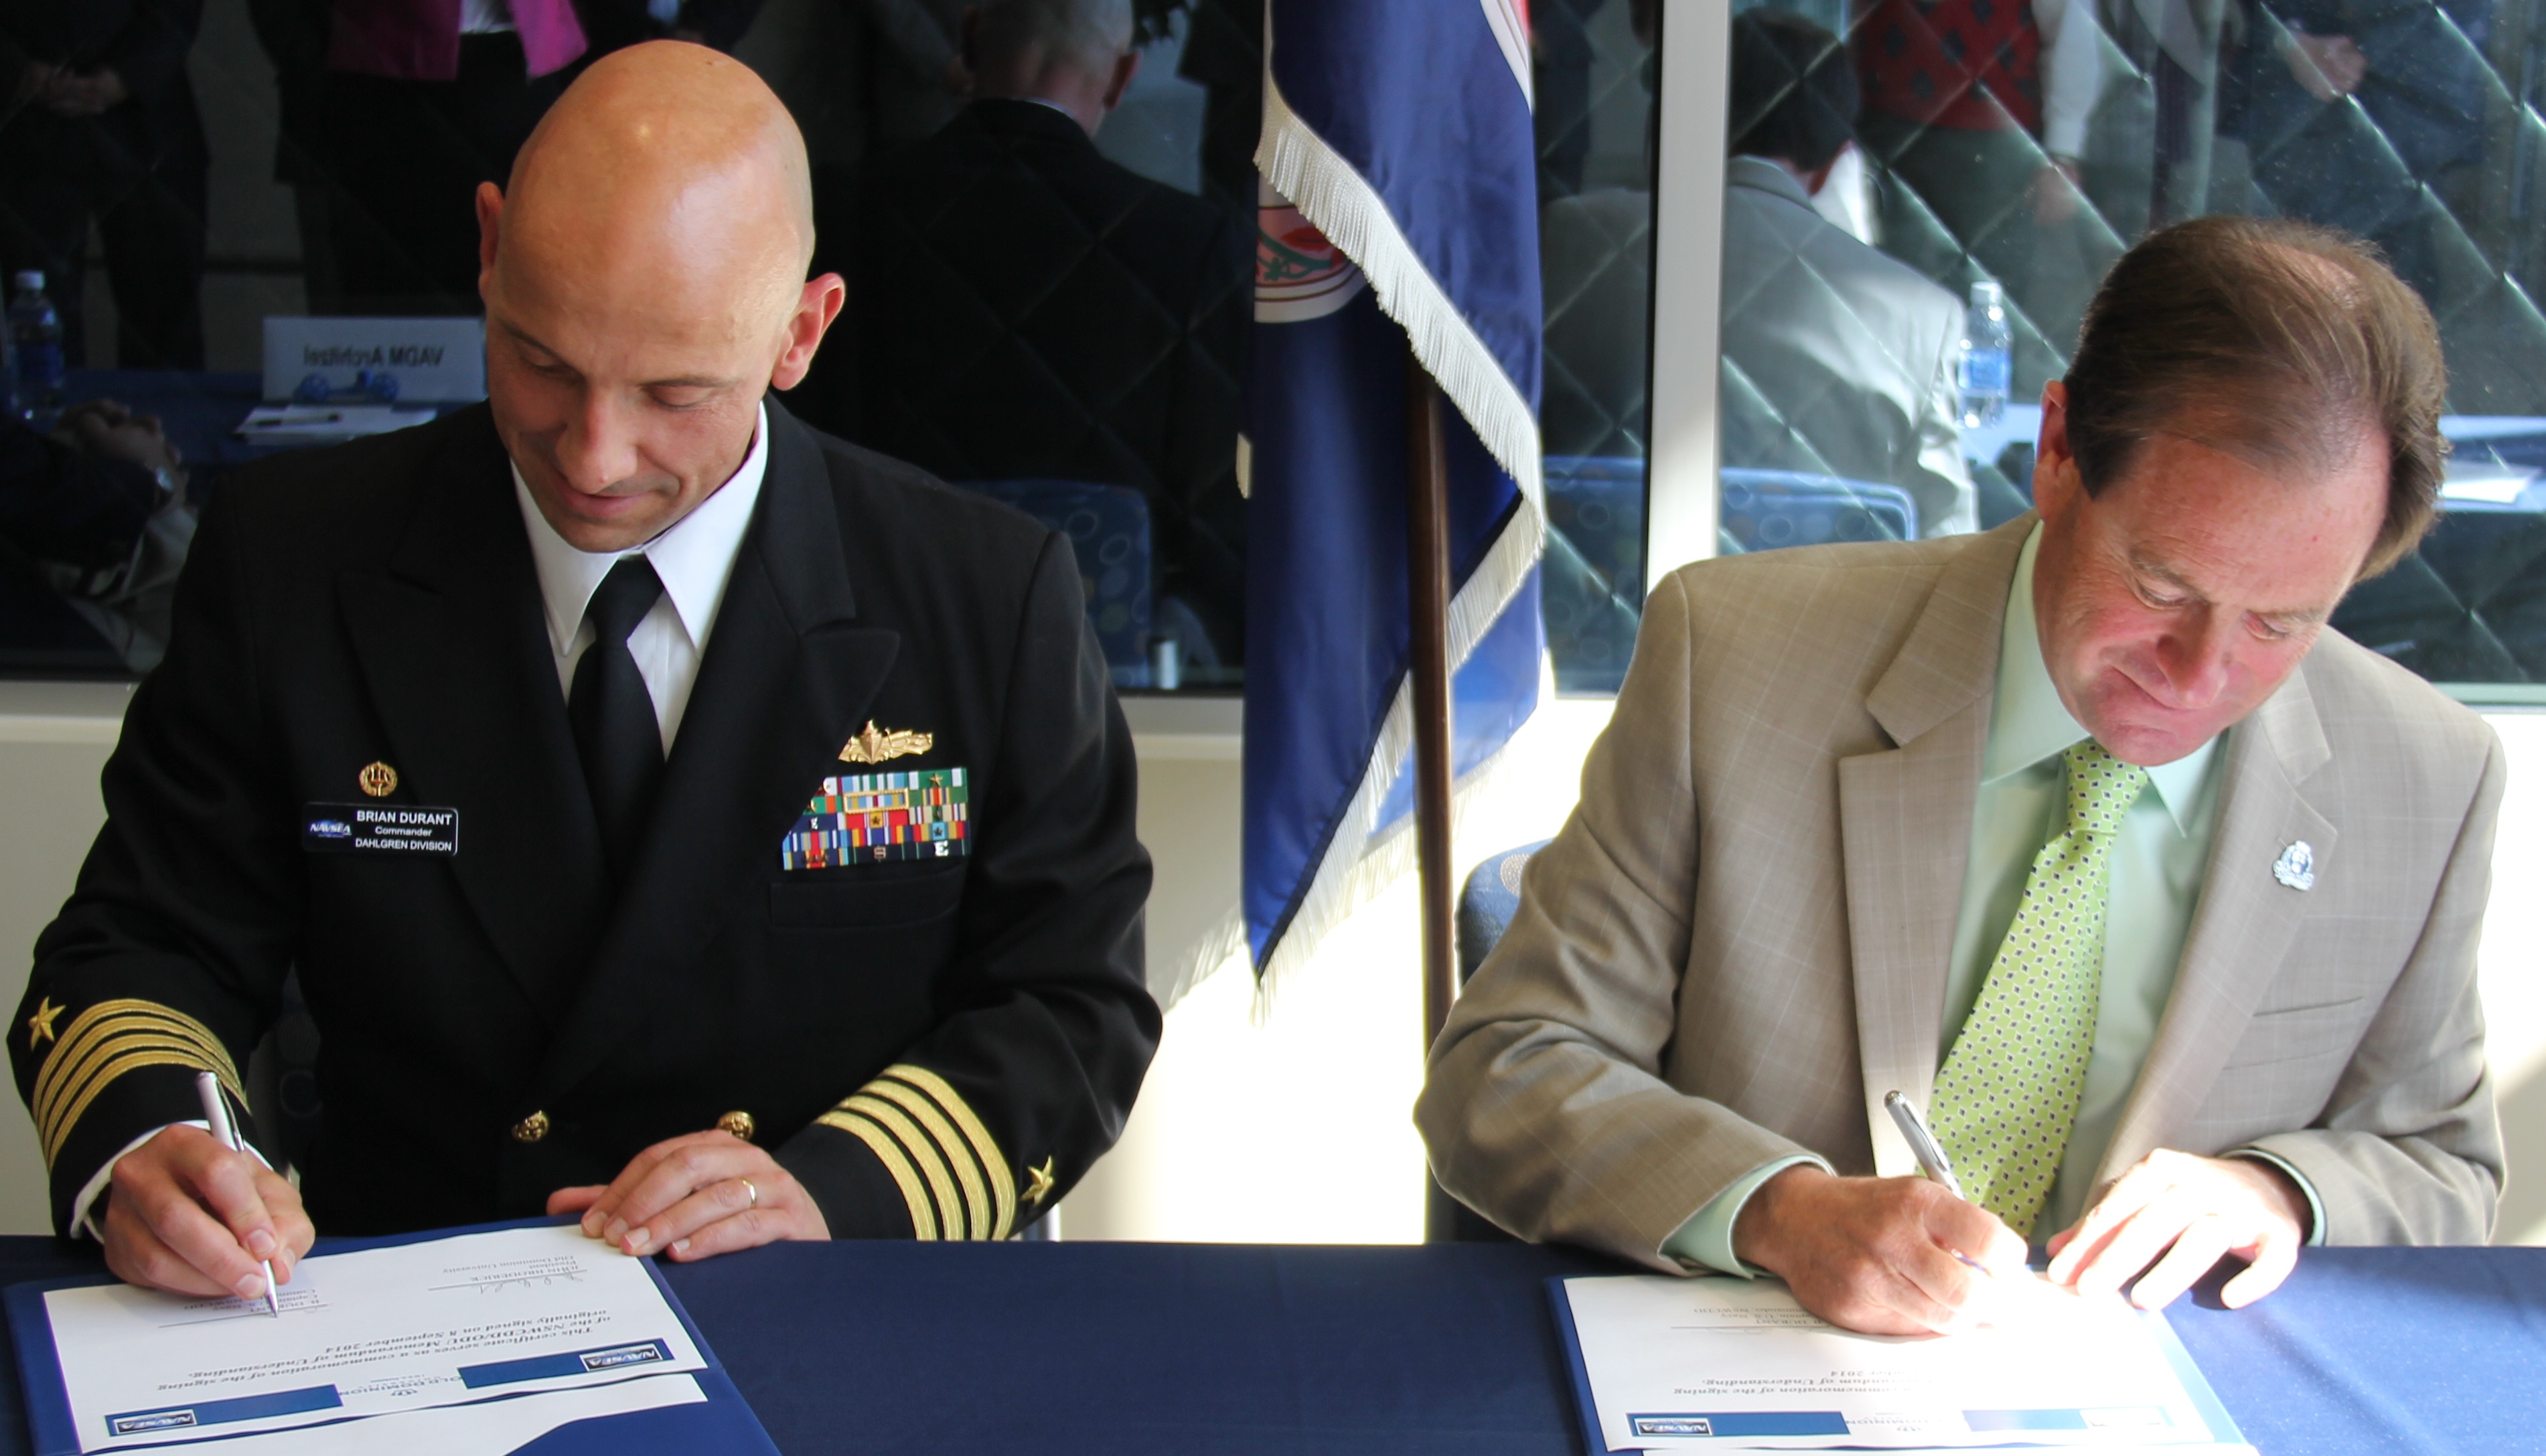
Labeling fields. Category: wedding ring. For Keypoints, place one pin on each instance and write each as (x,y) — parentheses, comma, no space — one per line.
(748,1188)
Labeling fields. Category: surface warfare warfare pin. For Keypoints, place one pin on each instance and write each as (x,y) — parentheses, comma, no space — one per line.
(380,828)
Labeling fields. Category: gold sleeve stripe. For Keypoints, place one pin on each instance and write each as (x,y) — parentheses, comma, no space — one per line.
(83,1080)
(130,1062)
(107,1017)
(923,1209)
(980,1221)
(955,1219)
(107,1040)
(58,1103)
(108,1060)
(994,1166)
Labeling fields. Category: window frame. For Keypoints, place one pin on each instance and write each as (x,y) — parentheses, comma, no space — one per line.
(1682,460)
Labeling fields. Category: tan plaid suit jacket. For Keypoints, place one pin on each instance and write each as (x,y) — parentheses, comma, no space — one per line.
(1738,941)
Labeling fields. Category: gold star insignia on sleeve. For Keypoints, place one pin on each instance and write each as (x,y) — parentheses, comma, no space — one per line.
(40,1026)
(1041,1187)
(873,746)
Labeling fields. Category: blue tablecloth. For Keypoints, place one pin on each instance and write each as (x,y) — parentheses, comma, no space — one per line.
(1118,1350)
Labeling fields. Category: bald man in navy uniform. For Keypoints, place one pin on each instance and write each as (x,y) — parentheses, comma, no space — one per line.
(675,816)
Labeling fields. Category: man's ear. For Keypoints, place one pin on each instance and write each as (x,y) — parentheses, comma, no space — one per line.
(491,218)
(2056,485)
(1125,68)
(816,310)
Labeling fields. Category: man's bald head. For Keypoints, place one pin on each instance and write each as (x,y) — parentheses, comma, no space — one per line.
(644,283)
(671,168)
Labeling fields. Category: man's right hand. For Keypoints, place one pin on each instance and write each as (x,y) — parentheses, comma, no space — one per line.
(1875,1255)
(184,1214)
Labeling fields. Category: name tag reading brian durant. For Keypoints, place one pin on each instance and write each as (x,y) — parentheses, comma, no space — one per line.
(380,828)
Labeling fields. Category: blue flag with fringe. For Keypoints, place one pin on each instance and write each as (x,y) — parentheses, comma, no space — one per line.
(1399,208)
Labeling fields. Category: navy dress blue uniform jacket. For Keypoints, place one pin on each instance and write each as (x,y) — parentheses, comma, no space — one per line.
(933,1046)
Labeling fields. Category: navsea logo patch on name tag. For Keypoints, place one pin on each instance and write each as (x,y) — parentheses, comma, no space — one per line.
(880,818)
(380,828)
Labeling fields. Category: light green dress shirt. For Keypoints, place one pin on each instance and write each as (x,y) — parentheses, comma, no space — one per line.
(2155,882)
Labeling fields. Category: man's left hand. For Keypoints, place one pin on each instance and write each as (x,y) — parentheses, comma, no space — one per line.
(701,1195)
(2194,1211)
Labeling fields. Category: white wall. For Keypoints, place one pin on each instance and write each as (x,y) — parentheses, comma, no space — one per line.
(1291,1126)
(53,738)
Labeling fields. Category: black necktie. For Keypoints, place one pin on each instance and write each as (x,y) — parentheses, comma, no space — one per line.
(613,714)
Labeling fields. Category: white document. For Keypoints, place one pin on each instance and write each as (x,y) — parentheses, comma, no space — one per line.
(487,1428)
(1710,1363)
(436,1322)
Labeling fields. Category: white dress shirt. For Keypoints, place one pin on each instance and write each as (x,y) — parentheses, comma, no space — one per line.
(694,561)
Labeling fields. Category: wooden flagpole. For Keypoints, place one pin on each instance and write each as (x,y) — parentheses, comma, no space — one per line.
(1427,578)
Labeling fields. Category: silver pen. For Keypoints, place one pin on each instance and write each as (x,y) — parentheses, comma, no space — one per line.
(216,1111)
(1930,1155)
(1922,1142)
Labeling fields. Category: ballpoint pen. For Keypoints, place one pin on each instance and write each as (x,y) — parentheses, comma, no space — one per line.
(216,1111)
(1922,1142)
(1929,1153)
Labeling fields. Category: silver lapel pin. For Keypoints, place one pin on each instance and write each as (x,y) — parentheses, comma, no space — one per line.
(2296,867)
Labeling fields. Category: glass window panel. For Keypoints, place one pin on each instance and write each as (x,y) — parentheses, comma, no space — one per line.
(277,183)
(2001,155)
(246,173)
(1594,80)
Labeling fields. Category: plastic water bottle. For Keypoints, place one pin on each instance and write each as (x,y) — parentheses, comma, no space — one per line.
(36,333)
(1987,365)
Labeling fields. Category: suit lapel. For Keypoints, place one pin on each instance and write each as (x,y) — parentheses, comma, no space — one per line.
(451,644)
(784,680)
(1906,820)
(2243,928)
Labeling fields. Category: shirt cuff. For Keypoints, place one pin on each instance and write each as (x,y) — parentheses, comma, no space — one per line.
(2316,1205)
(83,1205)
(1706,1240)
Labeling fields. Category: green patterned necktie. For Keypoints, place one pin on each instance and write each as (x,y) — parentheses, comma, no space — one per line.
(2006,1096)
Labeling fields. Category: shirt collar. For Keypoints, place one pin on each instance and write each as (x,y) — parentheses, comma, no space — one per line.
(2029,724)
(1761,174)
(694,557)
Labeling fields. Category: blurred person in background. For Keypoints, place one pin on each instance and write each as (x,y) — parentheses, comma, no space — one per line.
(416,103)
(1020,308)
(1223,53)
(411,245)
(1978,109)
(95,514)
(293,37)
(98,124)
(2350,107)
(1837,360)
(80,495)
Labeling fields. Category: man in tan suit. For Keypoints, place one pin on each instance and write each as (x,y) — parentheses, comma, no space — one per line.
(2084,833)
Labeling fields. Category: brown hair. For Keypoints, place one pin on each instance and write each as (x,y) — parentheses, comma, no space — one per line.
(2272,340)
